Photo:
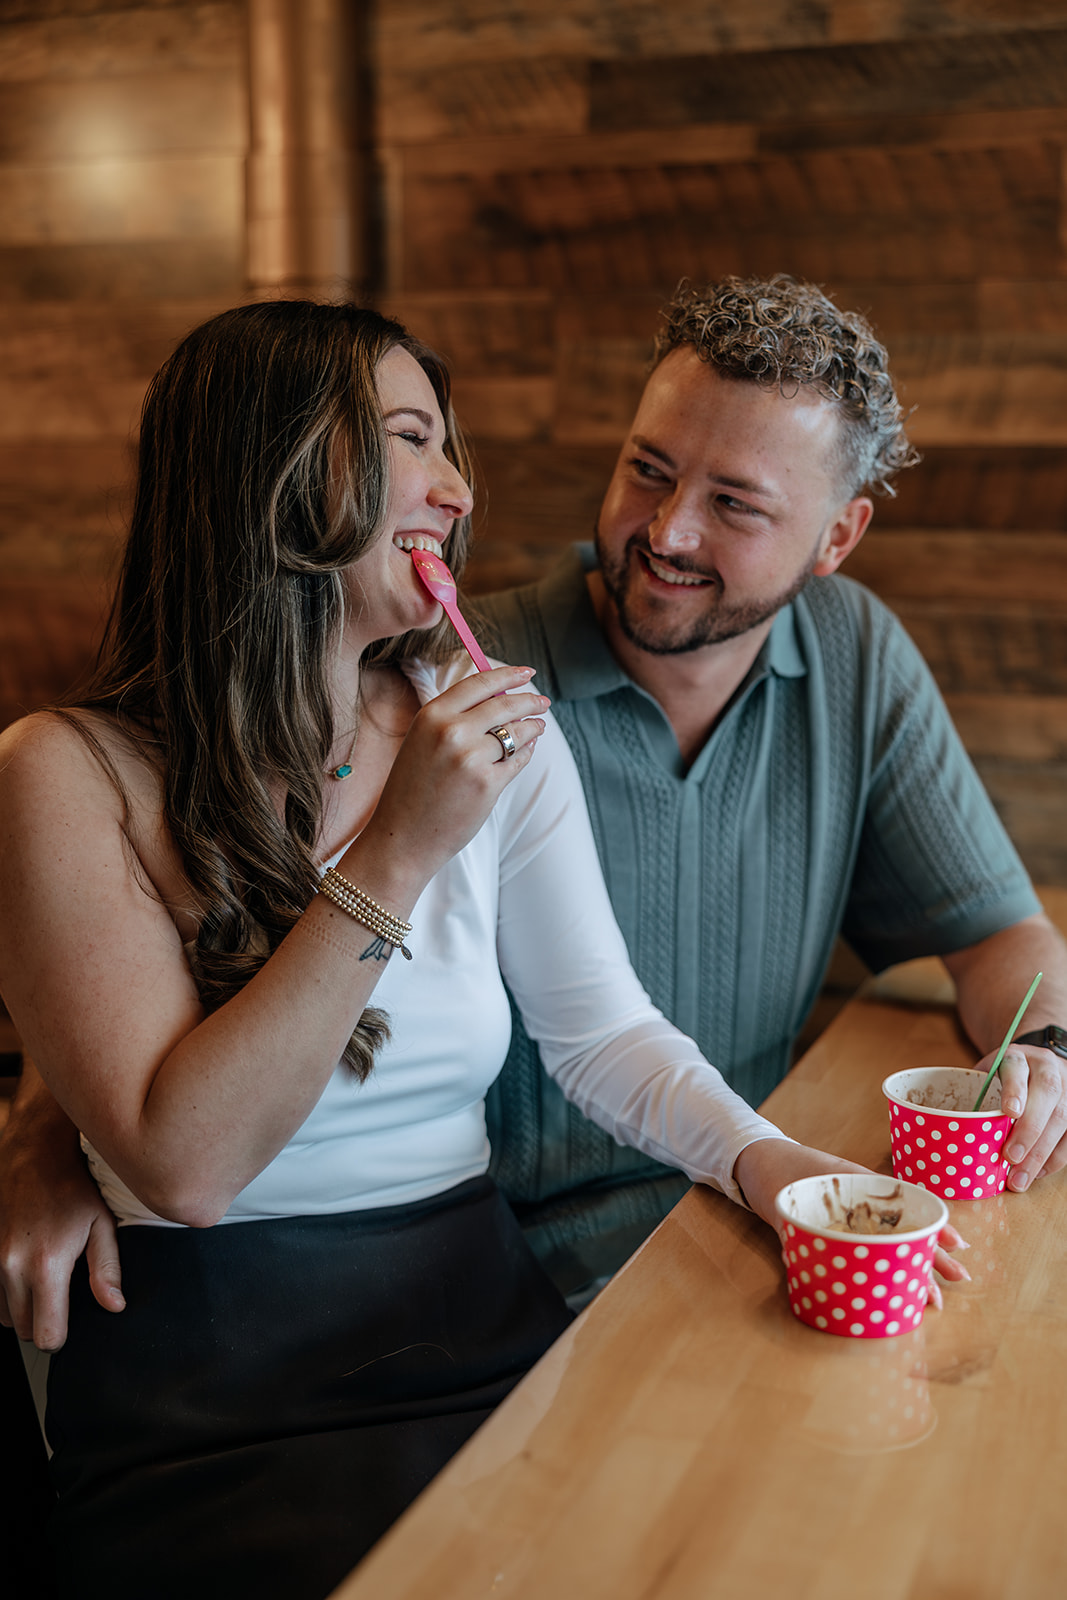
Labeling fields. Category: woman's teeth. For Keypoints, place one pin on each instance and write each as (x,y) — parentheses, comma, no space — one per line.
(418,541)
(668,574)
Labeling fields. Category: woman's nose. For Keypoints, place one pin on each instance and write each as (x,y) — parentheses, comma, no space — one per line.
(451,492)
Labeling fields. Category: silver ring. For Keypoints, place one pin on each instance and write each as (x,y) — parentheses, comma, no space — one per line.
(507,743)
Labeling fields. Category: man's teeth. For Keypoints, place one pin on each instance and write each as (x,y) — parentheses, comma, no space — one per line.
(668,574)
(418,541)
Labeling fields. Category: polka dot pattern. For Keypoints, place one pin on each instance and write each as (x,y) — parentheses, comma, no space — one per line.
(869,1287)
(954,1154)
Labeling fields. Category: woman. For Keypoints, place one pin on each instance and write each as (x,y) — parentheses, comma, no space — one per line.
(280,771)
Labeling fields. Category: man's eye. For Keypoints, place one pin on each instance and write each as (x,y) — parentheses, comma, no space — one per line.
(645,469)
(731,504)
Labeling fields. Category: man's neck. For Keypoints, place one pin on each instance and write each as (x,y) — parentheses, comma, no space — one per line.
(693,688)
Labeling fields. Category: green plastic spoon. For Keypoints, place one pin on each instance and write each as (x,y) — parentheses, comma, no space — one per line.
(1008,1037)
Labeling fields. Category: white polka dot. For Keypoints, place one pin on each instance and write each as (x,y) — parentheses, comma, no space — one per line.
(861,1252)
(987,1127)
(983,1149)
(935,1133)
(881,1265)
(968,1161)
(920,1122)
(905,1125)
(821,1295)
(877,1316)
(954,1126)
(950,1194)
(899,1276)
(804,1251)
(806,1303)
(968,1138)
(921,1165)
(896,1302)
(892,1327)
(805,1277)
(921,1143)
(907,1172)
(953,1149)
(837,1314)
(820,1244)
(965,1182)
(859,1277)
(935,1155)
(907,1149)
(879,1291)
(913,1284)
(979,1170)
(919,1259)
(837,1286)
(902,1251)
(951,1171)
(838,1262)
(820,1322)
(820,1270)
(858,1303)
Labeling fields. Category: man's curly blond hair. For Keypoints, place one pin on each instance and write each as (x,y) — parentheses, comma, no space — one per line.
(785,334)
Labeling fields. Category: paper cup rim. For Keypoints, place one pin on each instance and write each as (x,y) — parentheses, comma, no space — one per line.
(911,1235)
(941,1111)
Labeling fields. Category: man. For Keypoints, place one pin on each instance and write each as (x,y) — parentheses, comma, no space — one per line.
(767,763)
(766,759)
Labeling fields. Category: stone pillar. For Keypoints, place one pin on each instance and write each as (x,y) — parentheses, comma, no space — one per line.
(309,164)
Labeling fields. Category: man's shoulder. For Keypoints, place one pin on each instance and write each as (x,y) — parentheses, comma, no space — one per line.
(840,615)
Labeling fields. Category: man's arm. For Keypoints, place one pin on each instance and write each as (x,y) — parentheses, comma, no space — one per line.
(50,1212)
(991,979)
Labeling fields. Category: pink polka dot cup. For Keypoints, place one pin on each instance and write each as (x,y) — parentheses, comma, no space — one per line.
(843,1279)
(938,1142)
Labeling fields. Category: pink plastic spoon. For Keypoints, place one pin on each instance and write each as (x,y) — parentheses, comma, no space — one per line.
(441,584)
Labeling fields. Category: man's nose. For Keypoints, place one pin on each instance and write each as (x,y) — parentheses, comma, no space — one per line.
(675,529)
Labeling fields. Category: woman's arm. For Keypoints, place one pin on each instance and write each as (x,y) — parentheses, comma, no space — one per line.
(186,1107)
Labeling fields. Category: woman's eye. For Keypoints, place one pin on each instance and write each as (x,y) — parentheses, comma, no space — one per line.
(410,435)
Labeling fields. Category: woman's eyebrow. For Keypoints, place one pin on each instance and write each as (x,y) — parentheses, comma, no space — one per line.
(410,411)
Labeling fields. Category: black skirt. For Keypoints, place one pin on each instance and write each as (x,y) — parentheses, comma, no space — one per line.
(276,1393)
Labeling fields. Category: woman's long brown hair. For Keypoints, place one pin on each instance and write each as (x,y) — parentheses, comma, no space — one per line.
(229,605)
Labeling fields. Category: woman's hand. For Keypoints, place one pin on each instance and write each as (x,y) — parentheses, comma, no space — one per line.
(446,778)
(767,1166)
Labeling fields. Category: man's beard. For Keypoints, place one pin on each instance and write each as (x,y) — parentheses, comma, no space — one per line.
(654,630)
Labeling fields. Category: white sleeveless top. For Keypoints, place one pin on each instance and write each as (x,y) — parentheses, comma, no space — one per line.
(526,896)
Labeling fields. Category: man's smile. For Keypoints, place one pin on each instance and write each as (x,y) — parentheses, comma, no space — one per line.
(671,574)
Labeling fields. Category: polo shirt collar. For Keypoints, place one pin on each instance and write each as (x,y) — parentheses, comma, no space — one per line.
(586,668)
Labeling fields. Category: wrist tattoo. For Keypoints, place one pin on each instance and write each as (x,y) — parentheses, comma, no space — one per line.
(378,950)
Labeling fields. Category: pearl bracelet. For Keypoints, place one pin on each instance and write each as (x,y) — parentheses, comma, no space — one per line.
(363,909)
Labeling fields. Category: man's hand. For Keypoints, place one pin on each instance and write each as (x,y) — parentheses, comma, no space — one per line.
(991,978)
(50,1212)
(1033,1089)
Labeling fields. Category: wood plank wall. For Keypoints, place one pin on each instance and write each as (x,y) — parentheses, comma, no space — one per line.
(123,134)
(548,172)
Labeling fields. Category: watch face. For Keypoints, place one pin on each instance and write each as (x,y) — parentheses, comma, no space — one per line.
(1056,1039)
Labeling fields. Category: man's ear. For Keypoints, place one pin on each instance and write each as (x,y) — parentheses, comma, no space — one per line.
(843,535)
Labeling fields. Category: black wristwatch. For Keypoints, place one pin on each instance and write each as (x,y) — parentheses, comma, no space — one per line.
(1050,1038)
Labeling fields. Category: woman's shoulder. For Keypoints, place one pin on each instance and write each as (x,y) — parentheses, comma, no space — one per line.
(48,755)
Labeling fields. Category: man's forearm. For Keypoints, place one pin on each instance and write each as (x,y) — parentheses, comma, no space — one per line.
(992,977)
(36,1114)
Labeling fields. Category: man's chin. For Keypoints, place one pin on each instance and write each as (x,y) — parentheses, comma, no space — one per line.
(658,636)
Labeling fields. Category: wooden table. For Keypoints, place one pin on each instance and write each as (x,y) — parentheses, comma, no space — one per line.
(687,1439)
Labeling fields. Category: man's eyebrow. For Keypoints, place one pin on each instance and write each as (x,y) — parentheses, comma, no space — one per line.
(762,491)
